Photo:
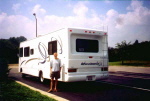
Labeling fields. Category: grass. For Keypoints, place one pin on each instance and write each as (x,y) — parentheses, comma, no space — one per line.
(131,63)
(117,63)
(12,91)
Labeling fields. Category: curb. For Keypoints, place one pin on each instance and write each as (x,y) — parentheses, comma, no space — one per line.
(44,93)
(133,69)
(129,66)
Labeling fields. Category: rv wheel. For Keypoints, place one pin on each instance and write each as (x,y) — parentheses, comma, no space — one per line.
(41,77)
(23,75)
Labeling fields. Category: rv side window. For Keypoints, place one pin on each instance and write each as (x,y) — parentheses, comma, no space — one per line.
(87,45)
(32,51)
(26,51)
(21,52)
(52,47)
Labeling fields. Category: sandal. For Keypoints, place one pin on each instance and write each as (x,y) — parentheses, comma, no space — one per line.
(49,90)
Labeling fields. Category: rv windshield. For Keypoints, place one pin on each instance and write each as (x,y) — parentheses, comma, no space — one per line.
(87,45)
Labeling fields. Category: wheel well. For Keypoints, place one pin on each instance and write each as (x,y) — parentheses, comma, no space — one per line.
(40,72)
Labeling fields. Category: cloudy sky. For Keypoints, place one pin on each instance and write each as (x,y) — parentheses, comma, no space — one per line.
(126,20)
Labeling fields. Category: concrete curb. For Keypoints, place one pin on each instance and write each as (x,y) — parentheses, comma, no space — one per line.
(43,92)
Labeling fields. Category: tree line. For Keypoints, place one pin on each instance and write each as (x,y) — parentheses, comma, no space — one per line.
(126,51)
(9,48)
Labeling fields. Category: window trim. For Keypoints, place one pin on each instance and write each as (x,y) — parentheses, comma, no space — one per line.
(26,51)
(97,50)
(21,52)
(54,49)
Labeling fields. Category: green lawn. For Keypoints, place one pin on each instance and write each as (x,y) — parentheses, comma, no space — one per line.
(115,63)
(12,91)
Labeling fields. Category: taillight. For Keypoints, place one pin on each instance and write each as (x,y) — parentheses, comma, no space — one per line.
(72,70)
(90,56)
(89,32)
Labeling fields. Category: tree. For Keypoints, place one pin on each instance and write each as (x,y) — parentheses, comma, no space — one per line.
(16,41)
(21,39)
(123,50)
(136,42)
(138,51)
(4,70)
(113,54)
(9,48)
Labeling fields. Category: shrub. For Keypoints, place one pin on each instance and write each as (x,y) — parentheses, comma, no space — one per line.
(4,70)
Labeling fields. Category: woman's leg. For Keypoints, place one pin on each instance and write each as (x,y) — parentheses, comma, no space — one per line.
(51,85)
(55,87)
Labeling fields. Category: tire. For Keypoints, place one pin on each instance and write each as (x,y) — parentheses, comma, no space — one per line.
(41,78)
(23,75)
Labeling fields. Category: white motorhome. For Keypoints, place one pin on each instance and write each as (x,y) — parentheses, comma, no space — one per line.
(83,54)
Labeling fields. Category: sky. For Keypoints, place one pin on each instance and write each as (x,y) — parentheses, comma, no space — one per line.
(124,20)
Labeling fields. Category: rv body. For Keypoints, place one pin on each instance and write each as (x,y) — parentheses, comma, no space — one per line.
(83,54)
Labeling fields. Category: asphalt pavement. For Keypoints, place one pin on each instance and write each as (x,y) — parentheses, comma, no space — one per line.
(121,86)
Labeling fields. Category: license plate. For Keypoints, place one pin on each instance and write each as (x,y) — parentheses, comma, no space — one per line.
(90,78)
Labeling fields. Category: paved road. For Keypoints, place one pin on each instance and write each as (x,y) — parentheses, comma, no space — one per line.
(100,90)
(139,80)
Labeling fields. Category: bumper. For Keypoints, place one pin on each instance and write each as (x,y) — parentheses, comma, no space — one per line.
(86,77)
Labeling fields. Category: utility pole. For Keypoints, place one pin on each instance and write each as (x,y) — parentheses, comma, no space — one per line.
(36,22)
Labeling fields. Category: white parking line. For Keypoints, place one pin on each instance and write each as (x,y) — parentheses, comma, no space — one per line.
(138,77)
(125,86)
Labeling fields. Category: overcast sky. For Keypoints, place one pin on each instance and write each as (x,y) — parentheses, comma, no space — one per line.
(126,20)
